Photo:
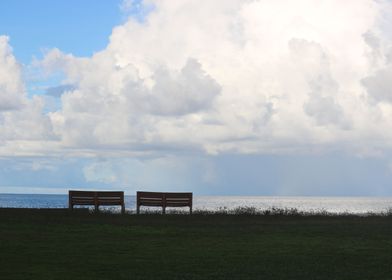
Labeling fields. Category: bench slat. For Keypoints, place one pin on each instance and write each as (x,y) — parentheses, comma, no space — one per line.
(109,194)
(177,204)
(178,195)
(149,194)
(151,204)
(144,199)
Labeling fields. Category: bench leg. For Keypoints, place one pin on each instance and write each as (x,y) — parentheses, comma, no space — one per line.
(96,208)
(190,210)
(163,210)
(138,209)
(123,209)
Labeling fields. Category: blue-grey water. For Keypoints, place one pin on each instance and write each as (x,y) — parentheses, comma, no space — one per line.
(356,205)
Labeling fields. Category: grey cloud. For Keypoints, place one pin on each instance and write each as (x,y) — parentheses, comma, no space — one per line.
(375,55)
(325,111)
(308,54)
(372,40)
(389,55)
(266,112)
(9,101)
(313,61)
(57,91)
(322,104)
(189,91)
(379,86)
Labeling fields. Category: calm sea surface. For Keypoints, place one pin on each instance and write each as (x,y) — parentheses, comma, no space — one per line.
(330,204)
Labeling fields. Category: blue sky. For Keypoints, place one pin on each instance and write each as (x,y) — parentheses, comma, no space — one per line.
(214,97)
(77,27)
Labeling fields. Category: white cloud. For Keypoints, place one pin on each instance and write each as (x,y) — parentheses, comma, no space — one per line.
(228,76)
(99,172)
(148,173)
(11,87)
(24,129)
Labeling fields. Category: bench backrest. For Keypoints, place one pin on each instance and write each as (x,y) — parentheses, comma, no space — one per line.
(98,197)
(168,199)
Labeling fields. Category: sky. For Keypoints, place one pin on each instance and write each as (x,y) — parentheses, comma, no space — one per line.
(222,97)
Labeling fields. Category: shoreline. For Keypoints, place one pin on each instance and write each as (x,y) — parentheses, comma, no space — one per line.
(239,211)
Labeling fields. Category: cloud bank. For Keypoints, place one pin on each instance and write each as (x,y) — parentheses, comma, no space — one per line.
(215,77)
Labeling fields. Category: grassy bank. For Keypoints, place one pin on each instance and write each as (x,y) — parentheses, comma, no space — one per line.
(55,244)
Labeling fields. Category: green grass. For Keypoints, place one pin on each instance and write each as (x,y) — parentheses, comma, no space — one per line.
(56,244)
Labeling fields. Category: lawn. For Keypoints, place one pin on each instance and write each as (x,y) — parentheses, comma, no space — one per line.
(56,244)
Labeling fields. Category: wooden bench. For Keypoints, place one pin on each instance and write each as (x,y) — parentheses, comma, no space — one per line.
(164,199)
(96,198)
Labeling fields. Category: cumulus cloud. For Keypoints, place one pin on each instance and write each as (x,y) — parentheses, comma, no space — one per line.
(11,86)
(229,76)
(24,129)
(323,88)
(186,92)
(379,85)
(99,172)
(167,172)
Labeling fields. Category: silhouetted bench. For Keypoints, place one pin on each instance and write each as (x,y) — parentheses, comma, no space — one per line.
(164,199)
(96,199)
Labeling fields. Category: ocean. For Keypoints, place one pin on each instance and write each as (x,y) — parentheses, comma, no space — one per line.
(356,205)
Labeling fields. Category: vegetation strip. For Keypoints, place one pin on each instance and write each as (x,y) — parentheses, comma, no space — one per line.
(57,244)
